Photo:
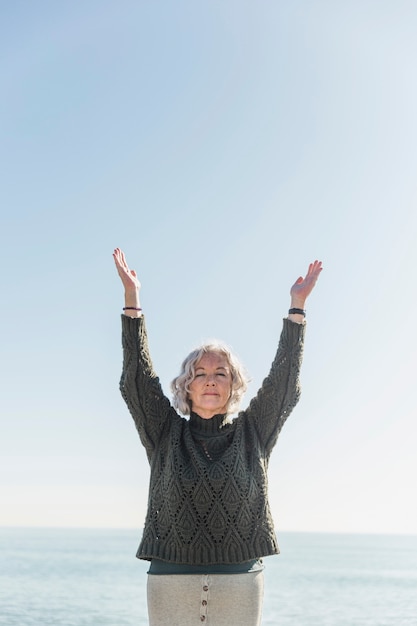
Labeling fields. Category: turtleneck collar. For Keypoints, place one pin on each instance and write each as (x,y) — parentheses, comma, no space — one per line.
(210,426)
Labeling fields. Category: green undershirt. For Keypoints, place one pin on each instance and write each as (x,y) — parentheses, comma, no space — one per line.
(160,568)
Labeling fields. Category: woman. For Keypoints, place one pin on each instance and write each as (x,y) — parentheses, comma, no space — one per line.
(208,523)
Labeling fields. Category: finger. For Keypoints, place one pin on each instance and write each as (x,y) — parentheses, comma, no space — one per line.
(318,268)
(315,267)
(119,265)
(124,262)
(117,255)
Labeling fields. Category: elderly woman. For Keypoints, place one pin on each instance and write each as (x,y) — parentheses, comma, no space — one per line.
(208,523)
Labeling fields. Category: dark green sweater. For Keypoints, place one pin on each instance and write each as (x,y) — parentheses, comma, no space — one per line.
(208,500)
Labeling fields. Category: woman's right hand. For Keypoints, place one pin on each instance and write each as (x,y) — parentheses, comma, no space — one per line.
(130,283)
(127,276)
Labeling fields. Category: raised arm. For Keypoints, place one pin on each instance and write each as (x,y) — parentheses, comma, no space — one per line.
(281,389)
(139,384)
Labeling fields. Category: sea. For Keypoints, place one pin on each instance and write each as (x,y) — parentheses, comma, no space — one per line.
(79,577)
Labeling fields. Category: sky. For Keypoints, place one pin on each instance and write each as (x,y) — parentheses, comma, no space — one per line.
(223,145)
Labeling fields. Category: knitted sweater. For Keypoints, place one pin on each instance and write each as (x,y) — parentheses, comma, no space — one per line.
(208,500)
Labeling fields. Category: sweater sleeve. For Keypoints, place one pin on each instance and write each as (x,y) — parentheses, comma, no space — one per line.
(140,386)
(280,391)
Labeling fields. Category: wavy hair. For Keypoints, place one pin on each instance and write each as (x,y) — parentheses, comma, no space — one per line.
(180,385)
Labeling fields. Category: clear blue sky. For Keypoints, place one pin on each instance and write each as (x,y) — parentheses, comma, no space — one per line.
(223,145)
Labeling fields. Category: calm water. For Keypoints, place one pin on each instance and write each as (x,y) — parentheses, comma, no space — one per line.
(92,578)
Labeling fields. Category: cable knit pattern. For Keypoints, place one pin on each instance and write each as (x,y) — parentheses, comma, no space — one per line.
(208,500)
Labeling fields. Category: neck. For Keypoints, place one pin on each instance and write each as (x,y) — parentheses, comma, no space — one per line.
(208,426)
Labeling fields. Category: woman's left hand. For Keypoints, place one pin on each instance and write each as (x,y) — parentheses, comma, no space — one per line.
(302,287)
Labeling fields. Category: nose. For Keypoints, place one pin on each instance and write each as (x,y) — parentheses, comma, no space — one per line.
(211,380)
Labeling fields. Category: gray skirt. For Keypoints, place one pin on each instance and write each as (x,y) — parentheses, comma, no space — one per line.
(210,599)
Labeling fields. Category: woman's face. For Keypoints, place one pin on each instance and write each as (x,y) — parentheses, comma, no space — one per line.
(210,390)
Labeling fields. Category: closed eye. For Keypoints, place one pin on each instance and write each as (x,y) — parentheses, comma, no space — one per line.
(200,374)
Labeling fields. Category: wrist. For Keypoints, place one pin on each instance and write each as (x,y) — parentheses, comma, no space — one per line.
(132,292)
(297,311)
(297,303)
(133,303)
(132,306)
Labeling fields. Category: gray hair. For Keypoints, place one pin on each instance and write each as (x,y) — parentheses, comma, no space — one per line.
(180,384)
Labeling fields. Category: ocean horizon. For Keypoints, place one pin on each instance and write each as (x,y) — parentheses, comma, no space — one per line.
(91,577)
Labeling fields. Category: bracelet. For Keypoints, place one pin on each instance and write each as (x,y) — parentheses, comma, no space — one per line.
(297,312)
(131,308)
